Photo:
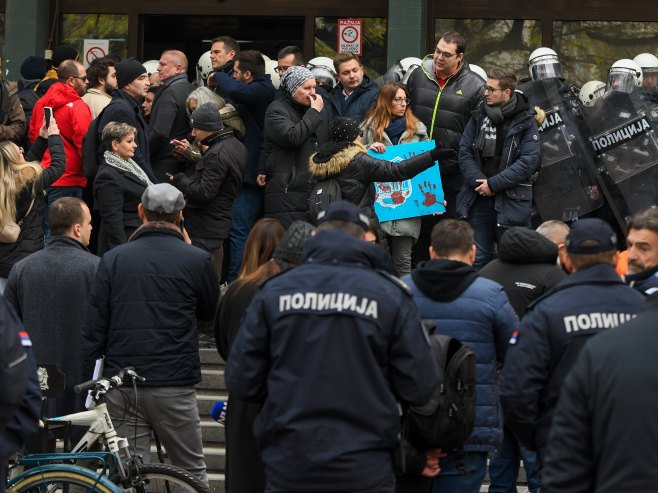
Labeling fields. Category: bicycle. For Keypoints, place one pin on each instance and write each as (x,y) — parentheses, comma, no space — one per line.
(115,471)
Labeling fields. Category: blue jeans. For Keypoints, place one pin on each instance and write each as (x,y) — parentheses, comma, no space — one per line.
(55,193)
(247,208)
(451,480)
(504,466)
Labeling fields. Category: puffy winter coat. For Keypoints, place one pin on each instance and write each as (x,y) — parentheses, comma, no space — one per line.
(73,118)
(477,312)
(292,133)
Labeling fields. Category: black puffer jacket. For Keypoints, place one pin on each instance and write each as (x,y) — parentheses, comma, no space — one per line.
(356,171)
(292,133)
(456,101)
(30,239)
(211,189)
(526,267)
(146,299)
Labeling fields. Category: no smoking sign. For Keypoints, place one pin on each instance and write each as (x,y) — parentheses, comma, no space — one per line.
(350,36)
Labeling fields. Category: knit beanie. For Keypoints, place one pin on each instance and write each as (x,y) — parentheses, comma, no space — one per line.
(33,68)
(343,130)
(206,117)
(127,71)
(62,53)
(291,246)
(293,78)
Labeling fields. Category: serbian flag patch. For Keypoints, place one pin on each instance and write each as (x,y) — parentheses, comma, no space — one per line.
(25,338)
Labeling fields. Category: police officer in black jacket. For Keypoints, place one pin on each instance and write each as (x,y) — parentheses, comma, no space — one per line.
(556,327)
(330,347)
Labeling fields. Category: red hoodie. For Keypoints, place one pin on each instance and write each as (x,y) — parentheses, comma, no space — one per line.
(73,117)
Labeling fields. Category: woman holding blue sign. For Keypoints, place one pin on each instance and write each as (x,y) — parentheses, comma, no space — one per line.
(345,160)
(391,122)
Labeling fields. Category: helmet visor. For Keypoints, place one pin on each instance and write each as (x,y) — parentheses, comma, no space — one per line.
(545,69)
(621,81)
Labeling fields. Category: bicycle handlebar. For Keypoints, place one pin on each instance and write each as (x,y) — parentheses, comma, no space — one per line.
(108,383)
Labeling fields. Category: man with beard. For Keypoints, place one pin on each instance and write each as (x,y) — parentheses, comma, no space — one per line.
(642,243)
(102,81)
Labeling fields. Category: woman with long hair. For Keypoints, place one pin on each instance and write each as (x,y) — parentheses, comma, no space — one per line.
(268,251)
(391,122)
(22,204)
(118,187)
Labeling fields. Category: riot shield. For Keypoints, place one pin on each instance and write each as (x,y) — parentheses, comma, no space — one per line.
(625,144)
(567,186)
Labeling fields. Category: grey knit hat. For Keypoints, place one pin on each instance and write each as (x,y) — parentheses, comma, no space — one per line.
(291,246)
(293,78)
(206,117)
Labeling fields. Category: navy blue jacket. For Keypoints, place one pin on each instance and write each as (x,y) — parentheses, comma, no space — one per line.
(552,333)
(481,317)
(520,159)
(251,100)
(331,346)
(145,302)
(358,103)
(646,281)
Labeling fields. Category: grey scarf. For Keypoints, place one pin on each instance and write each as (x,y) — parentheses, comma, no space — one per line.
(486,141)
(129,166)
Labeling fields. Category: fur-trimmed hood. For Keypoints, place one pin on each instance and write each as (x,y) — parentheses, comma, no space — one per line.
(335,164)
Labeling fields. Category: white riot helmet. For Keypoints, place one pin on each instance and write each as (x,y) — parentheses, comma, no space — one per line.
(624,75)
(591,91)
(151,66)
(478,70)
(270,68)
(543,63)
(203,68)
(647,62)
(322,68)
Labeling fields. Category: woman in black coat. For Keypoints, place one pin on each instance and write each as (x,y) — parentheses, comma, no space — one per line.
(118,187)
(295,126)
(22,204)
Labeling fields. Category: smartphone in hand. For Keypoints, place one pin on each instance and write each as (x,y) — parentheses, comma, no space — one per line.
(47,115)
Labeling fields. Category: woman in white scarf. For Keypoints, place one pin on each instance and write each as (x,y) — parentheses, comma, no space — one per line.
(118,187)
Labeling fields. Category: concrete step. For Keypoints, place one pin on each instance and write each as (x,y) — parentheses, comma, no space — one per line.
(215,458)
(211,432)
(206,398)
(216,482)
(210,356)
(212,380)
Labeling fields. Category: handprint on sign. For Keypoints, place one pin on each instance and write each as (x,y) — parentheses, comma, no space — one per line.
(430,198)
(384,188)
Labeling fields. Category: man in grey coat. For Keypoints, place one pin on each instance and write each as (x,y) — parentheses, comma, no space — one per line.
(56,317)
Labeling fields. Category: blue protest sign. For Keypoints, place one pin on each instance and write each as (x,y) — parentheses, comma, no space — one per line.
(420,196)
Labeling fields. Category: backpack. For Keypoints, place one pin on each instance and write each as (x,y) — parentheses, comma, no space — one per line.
(324,192)
(447,420)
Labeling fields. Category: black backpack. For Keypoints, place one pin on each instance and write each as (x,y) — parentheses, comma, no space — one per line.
(324,192)
(447,420)
(90,144)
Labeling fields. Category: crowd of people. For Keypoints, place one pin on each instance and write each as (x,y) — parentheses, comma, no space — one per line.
(129,197)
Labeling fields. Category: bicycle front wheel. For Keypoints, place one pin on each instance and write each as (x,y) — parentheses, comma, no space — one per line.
(165,478)
(61,478)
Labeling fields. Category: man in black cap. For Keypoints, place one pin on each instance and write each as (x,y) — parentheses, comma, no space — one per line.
(146,301)
(329,348)
(557,325)
(213,186)
(33,70)
(60,54)
(125,107)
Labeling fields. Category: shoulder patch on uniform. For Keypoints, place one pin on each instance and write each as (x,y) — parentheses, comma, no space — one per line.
(25,338)
(535,137)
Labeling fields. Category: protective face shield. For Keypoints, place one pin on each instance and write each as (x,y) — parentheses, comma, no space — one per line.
(478,70)
(649,65)
(543,63)
(203,68)
(323,69)
(270,68)
(151,66)
(591,91)
(624,76)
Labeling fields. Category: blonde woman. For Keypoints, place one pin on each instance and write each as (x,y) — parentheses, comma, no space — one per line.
(22,185)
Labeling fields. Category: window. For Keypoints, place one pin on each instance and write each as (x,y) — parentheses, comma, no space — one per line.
(374,42)
(78,27)
(496,43)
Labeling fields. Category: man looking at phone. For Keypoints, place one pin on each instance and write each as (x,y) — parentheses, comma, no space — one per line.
(73,117)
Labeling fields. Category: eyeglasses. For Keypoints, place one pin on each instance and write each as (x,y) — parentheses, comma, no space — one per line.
(444,54)
(280,69)
(492,89)
(83,77)
(405,101)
